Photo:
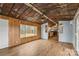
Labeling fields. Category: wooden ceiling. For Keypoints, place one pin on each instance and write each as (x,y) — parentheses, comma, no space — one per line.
(58,11)
(55,11)
(20,11)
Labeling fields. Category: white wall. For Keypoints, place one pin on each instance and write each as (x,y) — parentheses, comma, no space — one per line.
(66,35)
(44,35)
(3,33)
(76,31)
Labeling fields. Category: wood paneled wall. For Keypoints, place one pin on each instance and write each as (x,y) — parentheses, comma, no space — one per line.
(14,31)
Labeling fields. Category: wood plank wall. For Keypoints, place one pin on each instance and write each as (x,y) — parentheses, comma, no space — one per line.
(14,31)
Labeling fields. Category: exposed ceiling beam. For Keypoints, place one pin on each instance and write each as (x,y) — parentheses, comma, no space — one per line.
(22,13)
(30,5)
(11,8)
(30,10)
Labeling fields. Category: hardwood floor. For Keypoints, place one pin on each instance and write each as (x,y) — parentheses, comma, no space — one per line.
(49,47)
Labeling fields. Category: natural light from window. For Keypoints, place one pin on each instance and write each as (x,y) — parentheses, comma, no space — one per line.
(27,31)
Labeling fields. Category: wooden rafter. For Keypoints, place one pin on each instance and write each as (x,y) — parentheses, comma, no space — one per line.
(11,9)
(31,6)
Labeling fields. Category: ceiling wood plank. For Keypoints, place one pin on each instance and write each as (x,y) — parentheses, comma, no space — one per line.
(11,9)
(50,11)
(26,12)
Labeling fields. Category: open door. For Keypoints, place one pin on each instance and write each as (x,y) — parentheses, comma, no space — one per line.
(44,31)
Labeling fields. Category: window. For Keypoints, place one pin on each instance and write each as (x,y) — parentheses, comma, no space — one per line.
(27,31)
(22,31)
